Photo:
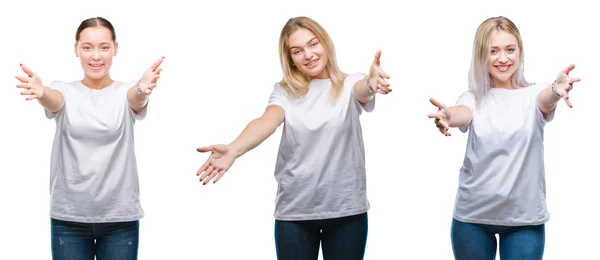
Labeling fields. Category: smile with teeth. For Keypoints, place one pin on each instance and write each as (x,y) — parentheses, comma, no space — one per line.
(311,63)
(502,68)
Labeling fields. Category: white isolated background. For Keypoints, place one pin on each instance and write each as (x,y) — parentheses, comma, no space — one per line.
(221,64)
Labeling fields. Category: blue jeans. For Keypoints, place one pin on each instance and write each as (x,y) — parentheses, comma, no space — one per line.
(342,238)
(83,241)
(478,241)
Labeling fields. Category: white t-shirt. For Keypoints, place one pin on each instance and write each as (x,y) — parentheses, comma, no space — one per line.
(502,179)
(93,173)
(320,167)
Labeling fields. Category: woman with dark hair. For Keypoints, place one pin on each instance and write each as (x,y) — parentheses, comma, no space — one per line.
(94,190)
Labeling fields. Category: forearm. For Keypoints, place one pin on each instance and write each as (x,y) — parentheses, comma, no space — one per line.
(460,116)
(256,132)
(136,100)
(362,92)
(547,100)
(52,100)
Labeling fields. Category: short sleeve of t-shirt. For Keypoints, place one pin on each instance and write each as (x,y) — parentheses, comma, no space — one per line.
(466,99)
(276,97)
(351,81)
(61,87)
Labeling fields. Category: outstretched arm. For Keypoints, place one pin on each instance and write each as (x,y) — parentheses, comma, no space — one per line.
(375,82)
(137,95)
(549,97)
(454,116)
(223,156)
(51,99)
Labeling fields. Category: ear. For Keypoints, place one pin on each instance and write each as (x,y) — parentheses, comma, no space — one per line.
(116,48)
(76,50)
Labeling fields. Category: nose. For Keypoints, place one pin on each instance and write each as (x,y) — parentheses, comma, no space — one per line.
(503,57)
(308,55)
(96,54)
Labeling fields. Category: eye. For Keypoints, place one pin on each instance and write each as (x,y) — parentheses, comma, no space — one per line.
(511,49)
(86,48)
(493,51)
(104,48)
(295,51)
(314,44)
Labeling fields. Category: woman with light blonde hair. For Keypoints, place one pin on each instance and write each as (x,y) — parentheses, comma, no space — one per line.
(502,186)
(320,168)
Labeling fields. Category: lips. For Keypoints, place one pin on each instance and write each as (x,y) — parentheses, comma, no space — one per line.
(96,66)
(503,68)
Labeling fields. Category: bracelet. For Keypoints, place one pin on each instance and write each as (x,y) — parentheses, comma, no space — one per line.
(139,91)
(369,88)
(554,90)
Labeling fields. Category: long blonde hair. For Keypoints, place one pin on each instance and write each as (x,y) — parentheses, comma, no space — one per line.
(295,82)
(479,77)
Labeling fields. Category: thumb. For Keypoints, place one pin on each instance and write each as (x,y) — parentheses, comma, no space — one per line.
(205,149)
(377,57)
(27,70)
(220,148)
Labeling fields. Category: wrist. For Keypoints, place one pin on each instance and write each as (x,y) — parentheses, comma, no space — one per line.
(553,87)
(138,90)
(369,88)
(236,151)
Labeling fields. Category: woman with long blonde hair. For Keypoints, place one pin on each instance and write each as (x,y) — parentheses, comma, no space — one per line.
(320,169)
(502,187)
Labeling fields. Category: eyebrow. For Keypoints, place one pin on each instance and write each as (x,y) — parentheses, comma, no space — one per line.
(306,43)
(82,43)
(510,45)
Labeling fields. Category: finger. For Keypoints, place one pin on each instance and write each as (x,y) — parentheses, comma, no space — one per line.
(27,71)
(157,71)
(206,173)
(438,104)
(32,96)
(383,74)
(383,90)
(444,124)
(221,173)
(27,92)
(151,86)
(212,174)
(154,78)
(573,80)
(23,79)
(24,85)
(436,115)
(202,168)
(157,63)
(566,98)
(569,69)
(382,82)
(377,57)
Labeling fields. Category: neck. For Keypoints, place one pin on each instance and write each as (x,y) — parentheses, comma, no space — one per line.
(323,75)
(507,84)
(97,83)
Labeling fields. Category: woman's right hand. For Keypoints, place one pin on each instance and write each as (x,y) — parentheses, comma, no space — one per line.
(442,117)
(31,83)
(220,160)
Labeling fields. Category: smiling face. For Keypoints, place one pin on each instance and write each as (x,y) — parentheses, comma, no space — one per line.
(95,49)
(503,58)
(308,54)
